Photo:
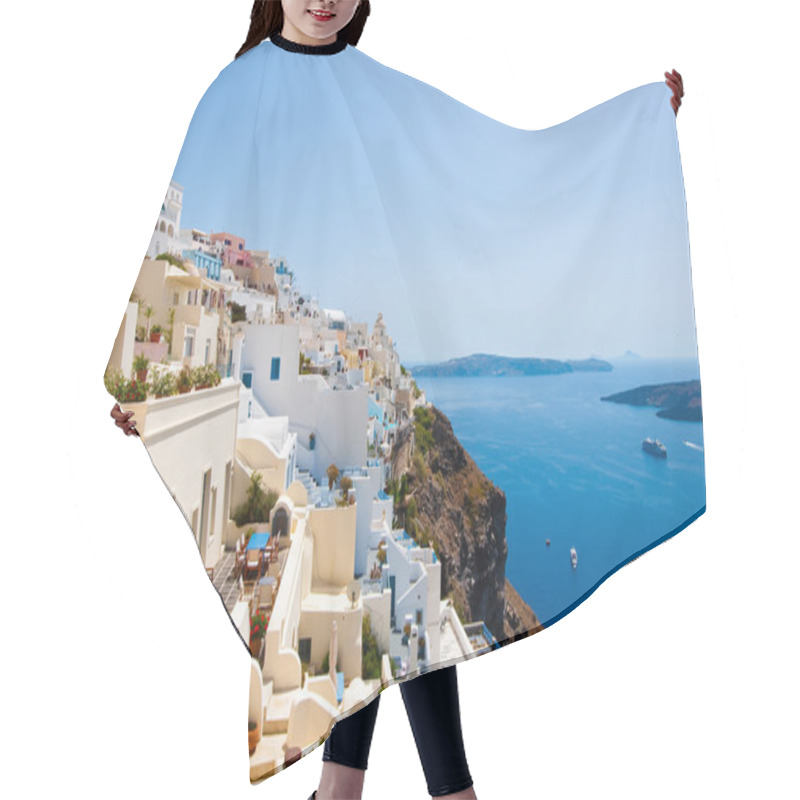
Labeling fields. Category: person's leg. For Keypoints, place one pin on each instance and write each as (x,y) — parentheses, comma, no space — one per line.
(433,710)
(345,755)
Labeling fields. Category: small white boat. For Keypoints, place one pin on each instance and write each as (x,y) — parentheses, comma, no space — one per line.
(693,445)
(573,557)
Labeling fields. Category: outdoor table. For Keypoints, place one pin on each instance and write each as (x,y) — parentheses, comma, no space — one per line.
(258,541)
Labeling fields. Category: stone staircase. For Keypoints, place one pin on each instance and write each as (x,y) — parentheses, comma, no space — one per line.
(276,719)
(312,487)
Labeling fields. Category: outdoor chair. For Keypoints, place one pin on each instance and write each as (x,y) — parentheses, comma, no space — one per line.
(240,559)
(263,597)
(255,598)
(252,562)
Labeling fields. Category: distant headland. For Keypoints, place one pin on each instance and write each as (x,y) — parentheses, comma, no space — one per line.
(679,401)
(487,365)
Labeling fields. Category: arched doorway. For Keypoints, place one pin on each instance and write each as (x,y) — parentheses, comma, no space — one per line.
(280,522)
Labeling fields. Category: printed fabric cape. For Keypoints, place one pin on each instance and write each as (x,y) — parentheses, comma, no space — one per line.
(418,380)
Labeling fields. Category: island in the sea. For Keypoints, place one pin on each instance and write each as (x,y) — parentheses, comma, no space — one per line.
(487,365)
(679,401)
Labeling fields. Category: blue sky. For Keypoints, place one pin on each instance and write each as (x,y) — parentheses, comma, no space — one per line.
(385,194)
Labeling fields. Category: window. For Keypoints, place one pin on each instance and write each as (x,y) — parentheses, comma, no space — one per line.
(275,372)
(419,616)
(247,379)
(188,341)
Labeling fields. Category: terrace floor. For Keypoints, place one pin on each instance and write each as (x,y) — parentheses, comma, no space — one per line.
(226,582)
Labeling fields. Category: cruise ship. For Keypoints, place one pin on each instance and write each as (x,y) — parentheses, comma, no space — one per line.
(654,447)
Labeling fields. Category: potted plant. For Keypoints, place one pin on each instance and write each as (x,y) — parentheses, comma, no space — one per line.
(253,735)
(155,333)
(333,475)
(124,391)
(205,376)
(258,630)
(140,365)
(134,392)
(199,378)
(164,385)
(184,381)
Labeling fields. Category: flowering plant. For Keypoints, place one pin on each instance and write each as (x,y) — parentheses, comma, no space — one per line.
(124,390)
(135,392)
(258,624)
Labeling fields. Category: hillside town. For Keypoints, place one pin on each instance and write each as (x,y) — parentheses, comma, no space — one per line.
(271,418)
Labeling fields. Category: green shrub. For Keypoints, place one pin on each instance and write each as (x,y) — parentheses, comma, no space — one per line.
(370,651)
(423,424)
(258,505)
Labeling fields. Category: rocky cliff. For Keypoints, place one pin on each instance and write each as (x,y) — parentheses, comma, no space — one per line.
(442,498)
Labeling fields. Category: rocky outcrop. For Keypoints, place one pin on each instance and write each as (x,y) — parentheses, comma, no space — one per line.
(520,618)
(676,400)
(485,364)
(443,498)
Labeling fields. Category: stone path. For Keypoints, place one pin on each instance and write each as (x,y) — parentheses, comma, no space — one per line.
(225,580)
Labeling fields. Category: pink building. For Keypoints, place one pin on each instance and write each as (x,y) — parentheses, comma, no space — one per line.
(234,253)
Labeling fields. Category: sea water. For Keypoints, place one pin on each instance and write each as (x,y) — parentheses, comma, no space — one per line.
(574,472)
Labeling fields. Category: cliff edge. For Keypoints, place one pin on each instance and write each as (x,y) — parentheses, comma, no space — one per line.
(442,498)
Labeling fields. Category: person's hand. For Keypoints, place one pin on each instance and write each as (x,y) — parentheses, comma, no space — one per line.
(675,82)
(122,419)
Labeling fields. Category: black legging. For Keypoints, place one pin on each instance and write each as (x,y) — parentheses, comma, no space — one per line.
(431,701)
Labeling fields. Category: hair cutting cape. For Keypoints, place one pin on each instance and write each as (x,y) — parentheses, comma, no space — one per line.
(418,380)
